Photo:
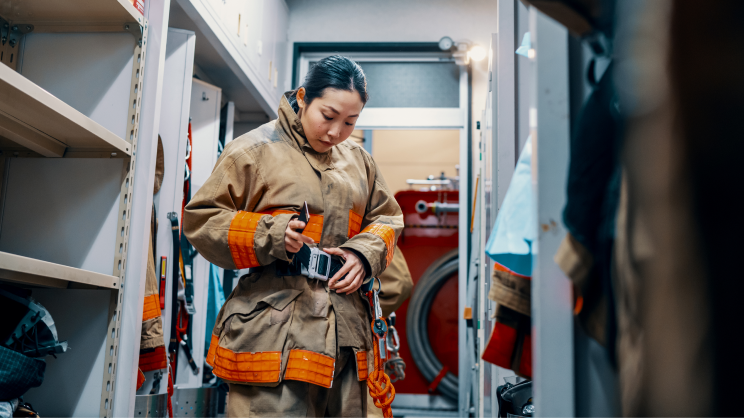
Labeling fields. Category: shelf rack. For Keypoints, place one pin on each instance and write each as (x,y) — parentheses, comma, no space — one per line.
(66,139)
(29,271)
(35,120)
(72,16)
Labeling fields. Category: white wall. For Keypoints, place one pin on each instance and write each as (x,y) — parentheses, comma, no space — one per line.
(398,21)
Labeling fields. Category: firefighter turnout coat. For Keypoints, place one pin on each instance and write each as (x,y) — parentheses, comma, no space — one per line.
(275,328)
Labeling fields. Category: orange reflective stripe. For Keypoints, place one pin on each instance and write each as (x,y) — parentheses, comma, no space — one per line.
(388,235)
(152,307)
(140,379)
(240,239)
(310,367)
(314,227)
(154,360)
(501,267)
(280,212)
(362,371)
(212,349)
(261,367)
(355,223)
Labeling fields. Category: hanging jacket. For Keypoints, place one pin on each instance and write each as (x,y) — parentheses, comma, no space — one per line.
(152,342)
(510,246)
(237,220)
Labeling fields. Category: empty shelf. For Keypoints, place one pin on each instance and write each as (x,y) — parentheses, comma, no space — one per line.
(36,120)
(19,269)
(72,15)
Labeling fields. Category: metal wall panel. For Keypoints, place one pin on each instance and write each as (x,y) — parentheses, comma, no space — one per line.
(174,119)
(205,129)
(552,305)
(92,72)
(142,174)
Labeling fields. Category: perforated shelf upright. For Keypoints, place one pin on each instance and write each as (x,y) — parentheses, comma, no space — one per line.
(71,91)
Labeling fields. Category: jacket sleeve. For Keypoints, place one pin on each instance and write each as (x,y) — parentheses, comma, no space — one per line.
(220,221)
(396,284)
(382,223)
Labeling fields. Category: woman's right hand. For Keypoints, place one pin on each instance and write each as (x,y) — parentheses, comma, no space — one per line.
(293,240)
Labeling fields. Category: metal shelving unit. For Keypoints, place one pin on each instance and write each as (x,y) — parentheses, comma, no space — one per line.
(65,222)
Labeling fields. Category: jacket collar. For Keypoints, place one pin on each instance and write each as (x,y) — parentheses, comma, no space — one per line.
(290,124)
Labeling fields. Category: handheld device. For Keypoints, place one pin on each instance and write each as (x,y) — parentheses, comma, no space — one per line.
(304,217)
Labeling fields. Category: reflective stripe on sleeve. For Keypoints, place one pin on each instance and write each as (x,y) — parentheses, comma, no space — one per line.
(388,236)
(240,239)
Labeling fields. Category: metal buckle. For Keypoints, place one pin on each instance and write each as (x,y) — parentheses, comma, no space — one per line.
(320,264)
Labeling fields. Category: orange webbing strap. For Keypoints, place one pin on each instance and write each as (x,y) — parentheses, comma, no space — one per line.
(170,393)
(378,382)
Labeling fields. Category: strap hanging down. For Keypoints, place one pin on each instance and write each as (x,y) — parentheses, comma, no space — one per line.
(173,345)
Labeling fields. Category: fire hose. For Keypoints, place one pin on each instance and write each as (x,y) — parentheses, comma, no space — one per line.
(417,318)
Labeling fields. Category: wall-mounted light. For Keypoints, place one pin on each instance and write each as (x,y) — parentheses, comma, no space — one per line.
(463,51)
(477,53)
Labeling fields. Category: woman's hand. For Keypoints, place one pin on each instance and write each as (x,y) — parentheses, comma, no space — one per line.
(293,240)
(353,268)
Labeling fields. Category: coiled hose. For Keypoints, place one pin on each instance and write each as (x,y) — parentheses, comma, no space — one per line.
(417,318)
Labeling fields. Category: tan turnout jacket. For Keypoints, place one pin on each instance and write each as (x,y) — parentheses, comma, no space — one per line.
(273,328)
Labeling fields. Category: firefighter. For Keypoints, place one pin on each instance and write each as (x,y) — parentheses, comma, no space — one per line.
(289,342)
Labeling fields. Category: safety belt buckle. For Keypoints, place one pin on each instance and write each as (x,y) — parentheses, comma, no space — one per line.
(320,264)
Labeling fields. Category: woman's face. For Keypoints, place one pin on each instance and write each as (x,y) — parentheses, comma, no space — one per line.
(329,120)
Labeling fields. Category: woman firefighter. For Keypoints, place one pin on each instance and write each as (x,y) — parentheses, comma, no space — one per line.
(287,341)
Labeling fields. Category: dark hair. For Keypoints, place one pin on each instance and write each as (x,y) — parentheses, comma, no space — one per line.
(334,72)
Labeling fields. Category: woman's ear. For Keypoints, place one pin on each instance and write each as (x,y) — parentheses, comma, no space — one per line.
(301,97)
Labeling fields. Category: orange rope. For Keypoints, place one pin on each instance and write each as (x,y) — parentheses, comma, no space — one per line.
(378,382)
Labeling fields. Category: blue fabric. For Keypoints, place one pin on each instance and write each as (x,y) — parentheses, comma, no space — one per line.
(216,299)
(524,49)
(510,243)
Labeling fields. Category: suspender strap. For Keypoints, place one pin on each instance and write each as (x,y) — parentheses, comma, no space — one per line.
(173,346)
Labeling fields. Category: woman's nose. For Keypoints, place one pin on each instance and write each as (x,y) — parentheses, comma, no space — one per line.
(334,132)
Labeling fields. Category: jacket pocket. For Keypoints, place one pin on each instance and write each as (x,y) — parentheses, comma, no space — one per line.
(263,328)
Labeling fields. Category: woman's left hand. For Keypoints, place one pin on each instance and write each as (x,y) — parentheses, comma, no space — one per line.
(353,268)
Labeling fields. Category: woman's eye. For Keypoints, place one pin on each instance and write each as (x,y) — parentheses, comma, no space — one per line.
(327,118)
(349,124)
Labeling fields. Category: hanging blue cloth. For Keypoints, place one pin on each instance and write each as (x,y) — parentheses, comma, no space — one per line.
(216,299)
(510,243)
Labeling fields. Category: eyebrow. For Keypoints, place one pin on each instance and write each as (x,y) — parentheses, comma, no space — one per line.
(336,112)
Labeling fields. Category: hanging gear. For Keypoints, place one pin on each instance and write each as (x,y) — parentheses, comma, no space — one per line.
(395,367)
(181,318)
(187,250)
(173,345)
(380,387)
(152,355)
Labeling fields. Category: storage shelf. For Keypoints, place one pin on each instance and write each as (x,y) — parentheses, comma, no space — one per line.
(37,121)
(19,269)
(72,15)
